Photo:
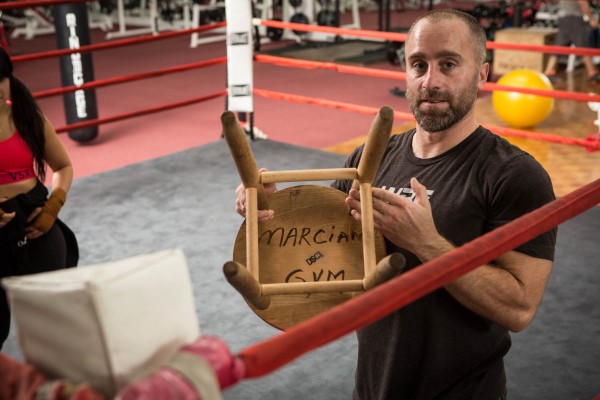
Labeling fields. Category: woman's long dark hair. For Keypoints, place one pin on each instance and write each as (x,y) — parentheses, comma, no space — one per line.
(26,115)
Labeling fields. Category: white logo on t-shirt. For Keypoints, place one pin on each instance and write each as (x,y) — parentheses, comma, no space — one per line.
(406,192)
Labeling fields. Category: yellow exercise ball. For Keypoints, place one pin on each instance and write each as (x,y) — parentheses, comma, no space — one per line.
(522,110)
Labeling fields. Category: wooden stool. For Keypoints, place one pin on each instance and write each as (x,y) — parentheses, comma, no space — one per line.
(313,254)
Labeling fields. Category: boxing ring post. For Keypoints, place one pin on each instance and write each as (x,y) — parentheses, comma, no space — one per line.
(240,50)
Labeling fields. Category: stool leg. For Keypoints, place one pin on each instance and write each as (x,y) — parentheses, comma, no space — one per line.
(239,277)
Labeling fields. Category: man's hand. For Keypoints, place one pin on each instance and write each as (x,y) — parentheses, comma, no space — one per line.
(240,202)
(508,293)
(408,224)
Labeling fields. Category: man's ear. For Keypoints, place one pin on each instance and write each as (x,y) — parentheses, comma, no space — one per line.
(484,71)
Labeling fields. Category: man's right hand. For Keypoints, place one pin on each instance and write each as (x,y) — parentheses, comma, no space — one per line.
(240,202)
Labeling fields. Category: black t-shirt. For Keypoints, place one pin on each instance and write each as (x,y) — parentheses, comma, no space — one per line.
(435,348)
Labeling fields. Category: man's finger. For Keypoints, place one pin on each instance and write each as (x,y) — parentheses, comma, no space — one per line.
(265,215)
(420,192)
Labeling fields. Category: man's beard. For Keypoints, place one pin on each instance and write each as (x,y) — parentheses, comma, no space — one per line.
(433,120)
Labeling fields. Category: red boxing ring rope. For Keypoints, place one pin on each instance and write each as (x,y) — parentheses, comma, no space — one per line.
(397,37)
(401,37)
(111,81)
(294,98)
(128,78)
(268,355)
(165,107)
(380,73)
(557,94)
(115,43)
(349,69)
(589,145)
(9,5)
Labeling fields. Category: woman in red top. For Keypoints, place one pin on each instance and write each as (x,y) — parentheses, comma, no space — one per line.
(30,240)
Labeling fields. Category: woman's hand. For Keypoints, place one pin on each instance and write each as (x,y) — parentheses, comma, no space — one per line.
(33,233)
(5,217)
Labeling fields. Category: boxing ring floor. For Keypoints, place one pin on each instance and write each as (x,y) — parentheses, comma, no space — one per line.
(151,206)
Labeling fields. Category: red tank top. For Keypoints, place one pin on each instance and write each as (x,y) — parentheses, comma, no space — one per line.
(16,160)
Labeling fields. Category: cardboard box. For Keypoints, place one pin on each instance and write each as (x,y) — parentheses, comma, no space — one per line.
(508,60)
